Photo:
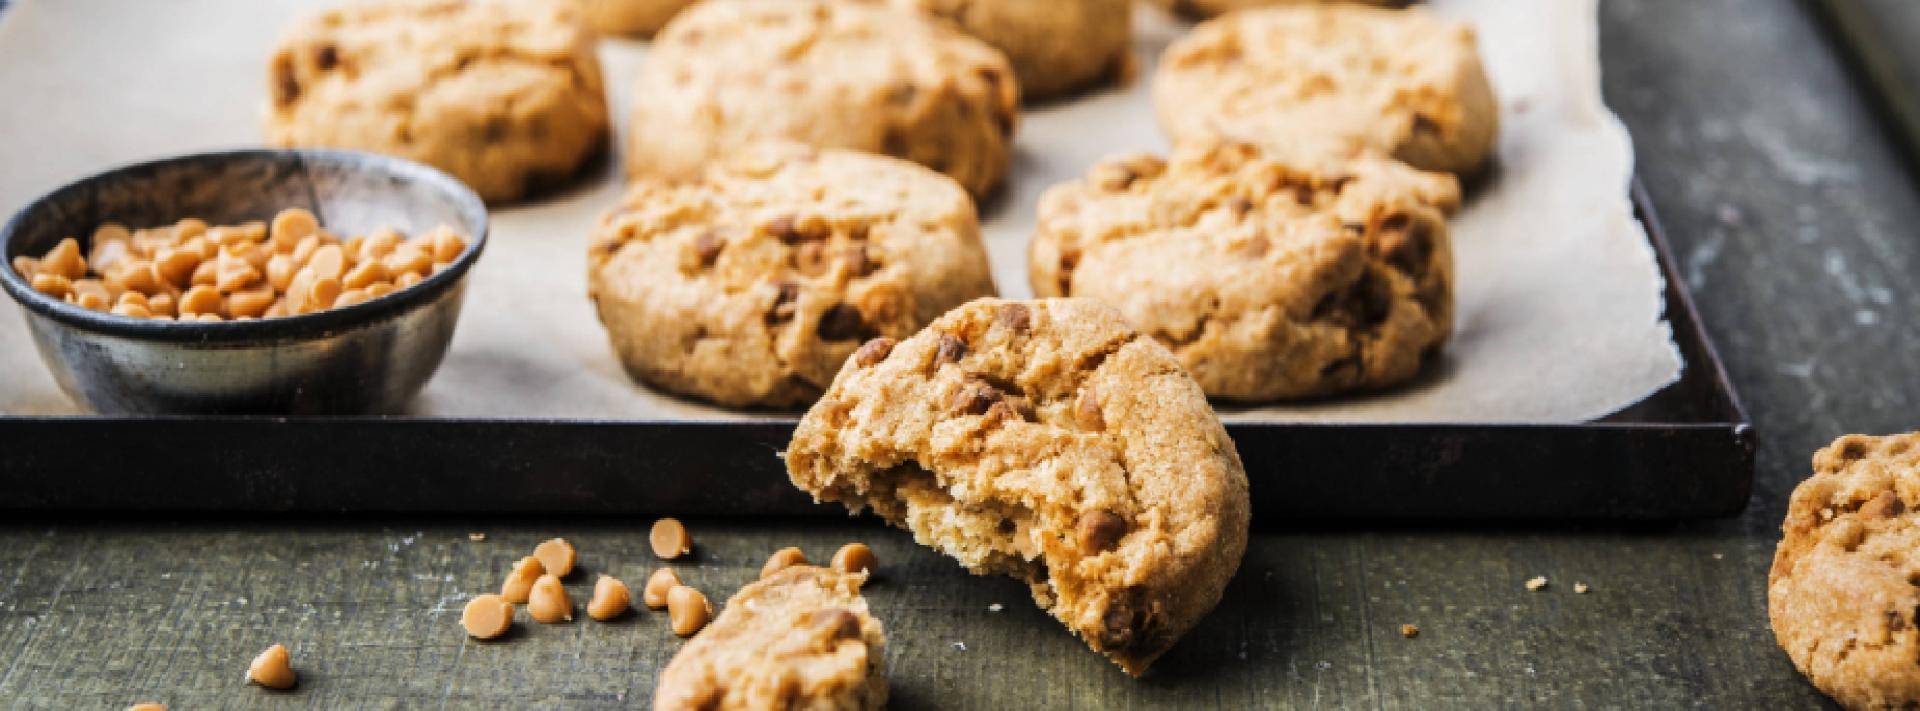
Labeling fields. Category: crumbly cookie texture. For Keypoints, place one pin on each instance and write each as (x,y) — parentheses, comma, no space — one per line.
(505,95)
(1845,585)
(753,284)
(640,18)
(1048,441)
(1211,8)
(1335,78)
(1057,47)
(1269,278)
(827,73)
(802,638)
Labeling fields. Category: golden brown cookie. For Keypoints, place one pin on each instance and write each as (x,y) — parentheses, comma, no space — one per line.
(1049,441)
(505,95)
(826,73)
(1057,47)
(1336,78)
(753,284)
(1269,278)
(801,638)
(1844,590)
(640,18)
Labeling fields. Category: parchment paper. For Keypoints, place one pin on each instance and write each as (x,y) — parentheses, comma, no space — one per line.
(1559,296)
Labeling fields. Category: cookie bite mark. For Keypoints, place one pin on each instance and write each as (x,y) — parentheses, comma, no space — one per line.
(1050,442)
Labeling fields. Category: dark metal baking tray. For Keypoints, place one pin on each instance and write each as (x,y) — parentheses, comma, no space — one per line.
(1684,452)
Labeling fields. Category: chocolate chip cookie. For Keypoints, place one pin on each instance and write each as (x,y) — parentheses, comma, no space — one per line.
(827,73)
(640,18)
(802,638)
(1048,441)
(1269,277)
(1056,47)
(1845,585)
(506,96)
(1336,78)
(751,285)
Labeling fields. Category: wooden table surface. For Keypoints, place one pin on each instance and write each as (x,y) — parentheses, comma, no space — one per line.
(1792,214)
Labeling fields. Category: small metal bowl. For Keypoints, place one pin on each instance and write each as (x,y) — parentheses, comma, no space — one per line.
(367,358)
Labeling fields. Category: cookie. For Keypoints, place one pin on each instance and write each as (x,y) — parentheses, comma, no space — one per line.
(1845,584)
(506,96)
(1335,78)
(802,638)
(639,18)
(1056,47)
(753,284)
(1269,278)
(1048,441)
(1211,8)
(827,73)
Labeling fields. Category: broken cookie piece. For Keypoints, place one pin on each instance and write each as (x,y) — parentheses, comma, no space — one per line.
(1125,511)
(801,638)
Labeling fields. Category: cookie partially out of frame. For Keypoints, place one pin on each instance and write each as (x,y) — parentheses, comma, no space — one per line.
(1338,78)
(640,18)
(1844,591)
(505,95)
(1057,46)
(802,638)
(750,286)
(1210,8)
(827,73)
(1048,441)
(1268,277)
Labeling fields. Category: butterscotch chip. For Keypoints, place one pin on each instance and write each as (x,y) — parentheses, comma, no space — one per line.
(855,558)
(487,616)
(714,288)
(1335,79)
(873,351)
(610,599)
(519,583)
(1536,583)
(659,584)
(670,539)
(1844,589)
(273,669)
(801,638)
(688,610)
(148,706)
(885,438)
(1312,276)
(556,556)
(1409,631)
(858,76)
(548,603)
(781,560)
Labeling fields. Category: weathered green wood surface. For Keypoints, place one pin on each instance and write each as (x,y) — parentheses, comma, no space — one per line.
(1792,214)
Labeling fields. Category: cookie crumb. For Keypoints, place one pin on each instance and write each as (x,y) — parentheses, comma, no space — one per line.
(959,646)
(1719,556)
(1409,631)
(996,607)
(1580,588)
(1537,582)
(476,536)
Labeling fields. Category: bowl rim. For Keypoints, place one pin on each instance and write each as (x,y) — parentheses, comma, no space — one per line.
(279,328)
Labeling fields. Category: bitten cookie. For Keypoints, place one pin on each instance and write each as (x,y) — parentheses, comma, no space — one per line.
(802,638)
(1336,78)
(640,18)
(1845,585)
(1211,8)
(1268,278)
(1048,441)
(504,95)
(826,73)
(1056,47)
(751,285)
